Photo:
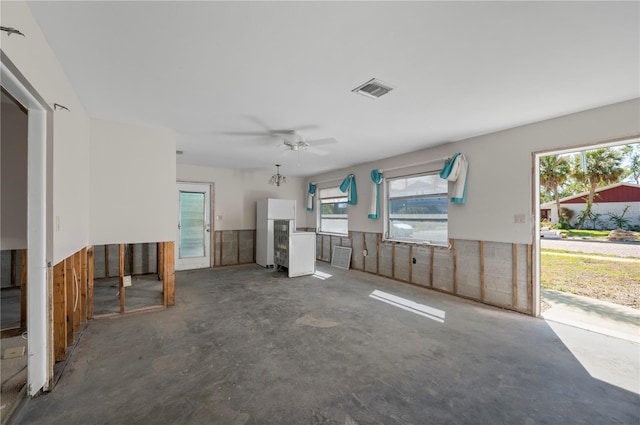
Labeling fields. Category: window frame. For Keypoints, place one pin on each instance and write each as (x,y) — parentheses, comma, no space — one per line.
(343,197)
(386,213)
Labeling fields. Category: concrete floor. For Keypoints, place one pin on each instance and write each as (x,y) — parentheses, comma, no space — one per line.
(245,345)
(14,375)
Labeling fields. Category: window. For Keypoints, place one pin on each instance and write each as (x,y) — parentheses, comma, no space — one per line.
(417,209)
(332,211)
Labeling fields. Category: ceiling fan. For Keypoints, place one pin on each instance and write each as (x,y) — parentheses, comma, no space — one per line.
(294,141)
(290,138)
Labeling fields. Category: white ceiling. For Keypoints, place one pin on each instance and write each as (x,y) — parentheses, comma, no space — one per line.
(460,69)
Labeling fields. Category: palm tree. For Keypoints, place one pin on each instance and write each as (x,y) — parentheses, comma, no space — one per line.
(634,161)
(603,167)
(554,171)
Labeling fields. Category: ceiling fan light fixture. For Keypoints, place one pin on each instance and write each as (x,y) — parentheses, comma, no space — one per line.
(277,179)
(373,88)
(296,146)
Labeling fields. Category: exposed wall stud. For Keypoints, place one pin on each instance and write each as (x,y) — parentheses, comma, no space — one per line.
(60,311)
(433,255)
(378,237)
(131,262)
(83,284)
(106,261)
(364,248)
(452,243)
(160,249)
(14,255)
(330,246)
(221,247)
(483,285)
(411,263)
(168,281)
(77,293)
(23,289)
(393,260)
(238,246)
(529,279)
(71,293)
(90,273)
(214,250)
(514,292)
(121,276)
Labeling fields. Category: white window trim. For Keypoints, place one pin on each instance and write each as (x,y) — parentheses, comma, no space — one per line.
(318,202)
(385,213)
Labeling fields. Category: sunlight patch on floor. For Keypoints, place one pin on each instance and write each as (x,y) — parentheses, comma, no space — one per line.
(420,309)
(612,360)
(321,275)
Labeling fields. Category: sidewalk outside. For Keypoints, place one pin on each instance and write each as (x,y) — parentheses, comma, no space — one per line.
(593,315)
(588,313)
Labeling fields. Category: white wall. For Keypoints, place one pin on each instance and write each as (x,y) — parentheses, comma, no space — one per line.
(500,179)
(604,209)
(13,218)
(35,60)
(133,181)
(236,193)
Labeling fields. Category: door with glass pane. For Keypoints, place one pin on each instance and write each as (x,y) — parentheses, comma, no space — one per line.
(193,245)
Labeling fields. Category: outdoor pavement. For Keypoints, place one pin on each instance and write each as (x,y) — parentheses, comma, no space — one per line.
(593,315)
(624,249)
(587,313)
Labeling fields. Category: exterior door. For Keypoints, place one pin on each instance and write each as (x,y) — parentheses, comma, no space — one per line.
(193,245)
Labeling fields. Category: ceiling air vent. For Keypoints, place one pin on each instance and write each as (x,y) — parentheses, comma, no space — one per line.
(373,88)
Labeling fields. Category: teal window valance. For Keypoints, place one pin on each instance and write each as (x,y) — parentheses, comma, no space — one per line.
(310,196)
(374,207)
(349,186)
(455,170)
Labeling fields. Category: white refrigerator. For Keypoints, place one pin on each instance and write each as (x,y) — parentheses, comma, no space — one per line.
(267,211)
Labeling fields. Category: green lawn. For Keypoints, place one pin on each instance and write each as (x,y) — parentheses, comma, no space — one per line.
(607,280)
(566,251)
(586,233)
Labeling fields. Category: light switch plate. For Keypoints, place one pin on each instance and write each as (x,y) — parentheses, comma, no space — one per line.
(126,281)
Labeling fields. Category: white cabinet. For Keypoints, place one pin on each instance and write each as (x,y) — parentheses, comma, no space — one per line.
(295,251)
(268,210)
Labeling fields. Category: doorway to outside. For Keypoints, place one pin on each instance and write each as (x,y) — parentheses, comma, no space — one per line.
(588,245)
(578,281)
(193,241)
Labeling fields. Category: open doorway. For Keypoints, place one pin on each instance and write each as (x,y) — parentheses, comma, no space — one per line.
(193,238)
(13,254)
(588,244)
(39,232)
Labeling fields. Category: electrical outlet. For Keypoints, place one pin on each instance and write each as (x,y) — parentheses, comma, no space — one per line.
(413,260)
(364,253)
(126,281)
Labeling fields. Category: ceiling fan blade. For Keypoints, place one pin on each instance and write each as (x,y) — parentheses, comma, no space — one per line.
(320,142)
(317,151)
(247,133)
(294,129)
